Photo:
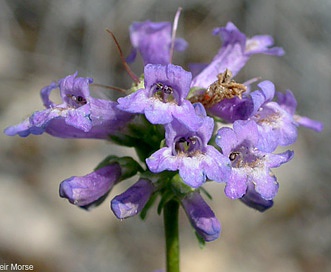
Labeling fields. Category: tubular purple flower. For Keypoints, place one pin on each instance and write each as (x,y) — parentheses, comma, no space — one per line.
(187,151)
(78,116)
(234,53)
(201,217)
(153,41)
(133,200)
(163,98)
(85,191)
(249,164)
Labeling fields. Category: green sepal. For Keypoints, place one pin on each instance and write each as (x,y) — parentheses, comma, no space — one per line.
(206,193)
(179,187)
(201,241)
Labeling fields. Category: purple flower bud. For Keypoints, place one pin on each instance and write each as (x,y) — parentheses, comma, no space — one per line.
(84,191)
(133,200)
(201,217)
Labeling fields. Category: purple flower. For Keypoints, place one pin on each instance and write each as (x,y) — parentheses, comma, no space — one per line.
(153,41)
(254,200)
(288,102)
(187,151)
(87,190)
(78,116)
(133,200)
(234,53)
(163,98)
(201,217)
(249,164)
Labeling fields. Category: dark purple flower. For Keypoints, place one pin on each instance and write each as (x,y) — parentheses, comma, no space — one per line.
(78,116)
(254,200)
(187,151)
(288,102)
(234,53)
(86,190)
(243,108)
(201,217)
(133,200)
(249,164)
(153,41)
(164,96)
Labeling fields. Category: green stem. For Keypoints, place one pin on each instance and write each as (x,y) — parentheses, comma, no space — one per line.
(170,215)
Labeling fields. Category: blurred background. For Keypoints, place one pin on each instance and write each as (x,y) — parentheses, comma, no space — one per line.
(42,41)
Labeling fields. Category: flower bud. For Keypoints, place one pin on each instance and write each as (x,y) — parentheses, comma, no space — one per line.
(201,216)
(133,200)
(85,191)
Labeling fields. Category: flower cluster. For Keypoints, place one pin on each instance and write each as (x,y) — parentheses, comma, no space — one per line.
(187,127)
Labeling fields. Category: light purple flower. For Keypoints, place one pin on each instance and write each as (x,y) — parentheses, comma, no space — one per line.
(153,41)
(85,191)
(201,216)
(234,53)
(187,151)
(249,164)
(133,200)
(288,102)
(78,116)
(164,96)
(275,125)
(254,200)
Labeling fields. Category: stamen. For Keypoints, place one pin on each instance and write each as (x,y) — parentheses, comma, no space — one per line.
(164,93)
(188,145)
(127,68)
(80,100)
(109,87)
(174,30)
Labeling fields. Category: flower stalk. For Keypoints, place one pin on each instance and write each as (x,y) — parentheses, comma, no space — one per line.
(170,216)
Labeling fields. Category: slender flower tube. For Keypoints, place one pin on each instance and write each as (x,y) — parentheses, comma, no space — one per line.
(201,217)
(133,200)
(78,116)
(85,191)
